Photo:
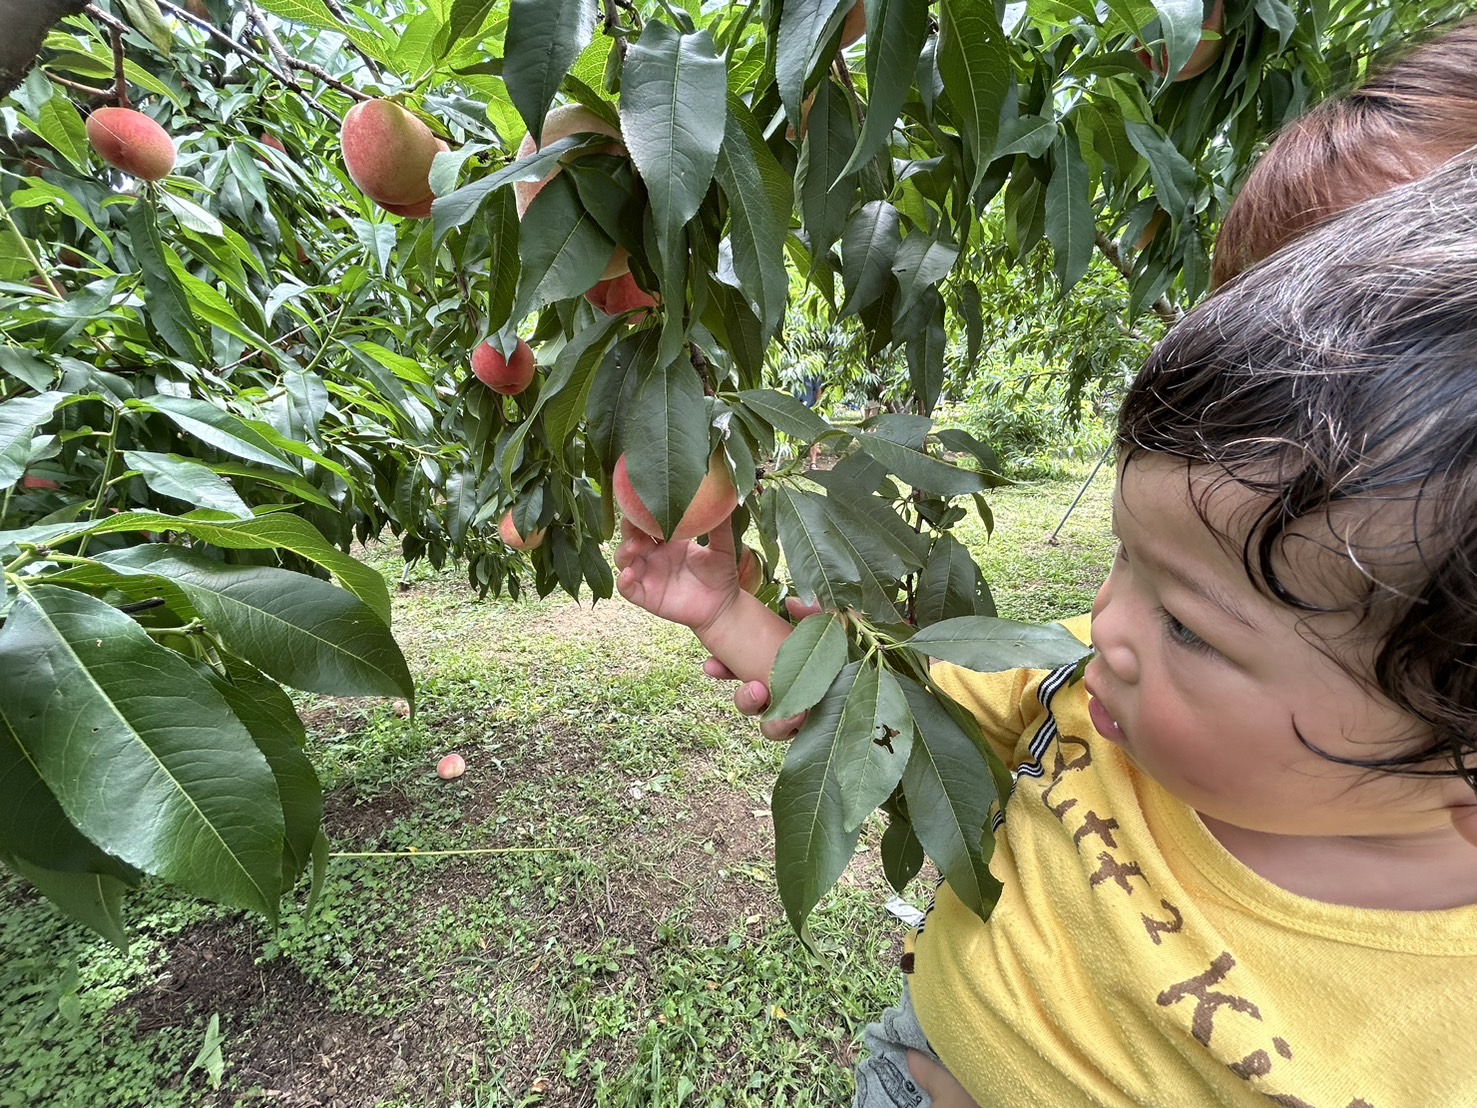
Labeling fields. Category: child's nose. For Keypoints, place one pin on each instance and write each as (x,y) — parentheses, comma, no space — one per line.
(1112,634)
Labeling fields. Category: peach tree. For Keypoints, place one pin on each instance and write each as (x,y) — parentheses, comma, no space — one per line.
(317,326)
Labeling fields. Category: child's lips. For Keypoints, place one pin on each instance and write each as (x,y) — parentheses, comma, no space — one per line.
(1103,721)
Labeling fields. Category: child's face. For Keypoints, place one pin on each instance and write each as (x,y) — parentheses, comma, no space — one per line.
(1206,683)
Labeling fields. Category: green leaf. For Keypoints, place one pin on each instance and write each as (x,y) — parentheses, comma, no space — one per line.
(806,29)
(144,757)
(566,393)
(987,644)
(819,560)
(974,63)
(277,530)
(94,900)
(926,353)
(949,789)
(59,123)
(812,845)
(608,406)
(563,251)
(192,216)
(919,469)
(950,584)
(1031,135)
(544,38)
(921,262)
(874,738)
(504,264)
(467,18)
(807,663)
(33,827)
(457,208)
(168,308)
(301,631)
(758,214)
(665,441)
(674,107)
(1179,25)
(784,413)
(825,195)
(40,192)
(1069,222)
(148,20)
(315,13)
(896,30)
(902,853)
(1174,177)
(187,480)
(868,249)
(268,714)
(219,428)
(19,418)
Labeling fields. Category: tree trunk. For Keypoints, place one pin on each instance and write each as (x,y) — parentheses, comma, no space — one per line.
(23,27)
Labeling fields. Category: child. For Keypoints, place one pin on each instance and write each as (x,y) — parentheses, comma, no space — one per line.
(1240,860)
(1404,121)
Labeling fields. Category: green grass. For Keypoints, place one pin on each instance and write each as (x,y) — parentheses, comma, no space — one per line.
(612,937)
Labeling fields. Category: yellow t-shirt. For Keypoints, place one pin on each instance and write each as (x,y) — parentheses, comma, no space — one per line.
(1132,961)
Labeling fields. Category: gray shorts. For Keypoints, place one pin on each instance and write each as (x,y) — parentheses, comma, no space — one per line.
(882,1079)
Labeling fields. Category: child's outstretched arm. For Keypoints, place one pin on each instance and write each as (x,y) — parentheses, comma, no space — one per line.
(697,586)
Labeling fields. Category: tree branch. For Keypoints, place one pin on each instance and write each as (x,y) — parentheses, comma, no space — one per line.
(246,52)
(287,61)
(26,23)
(1166,311)
(338,13)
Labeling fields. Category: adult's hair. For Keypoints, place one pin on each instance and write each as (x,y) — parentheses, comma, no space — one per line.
(1337,383)
(1403,122)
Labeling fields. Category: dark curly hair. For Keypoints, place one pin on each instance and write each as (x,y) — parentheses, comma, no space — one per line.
(1337,382)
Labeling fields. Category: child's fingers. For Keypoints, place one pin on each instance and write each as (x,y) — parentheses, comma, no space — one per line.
(751,698)
(799,609)
(720,539)
(718,671)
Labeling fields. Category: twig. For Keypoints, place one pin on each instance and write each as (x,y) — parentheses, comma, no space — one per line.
(1166,311)
(95,93)
(288,61)
(246,52)
(95,12)
(119,81)
(338,13)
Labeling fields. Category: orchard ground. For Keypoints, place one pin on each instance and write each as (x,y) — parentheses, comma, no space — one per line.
(621,945)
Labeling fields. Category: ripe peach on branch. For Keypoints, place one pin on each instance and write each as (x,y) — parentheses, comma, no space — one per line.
(622,294)
(131,141)
(560,122)
(508,530)
(715,501)
(388,152)
(508,375)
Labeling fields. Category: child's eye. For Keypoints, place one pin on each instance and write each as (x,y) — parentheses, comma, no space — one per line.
(1181,635)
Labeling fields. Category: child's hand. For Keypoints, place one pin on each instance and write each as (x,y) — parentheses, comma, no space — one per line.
(680,581)
(938,1082)
(752,697)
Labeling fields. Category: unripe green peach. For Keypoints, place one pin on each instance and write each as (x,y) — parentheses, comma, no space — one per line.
(131,141)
